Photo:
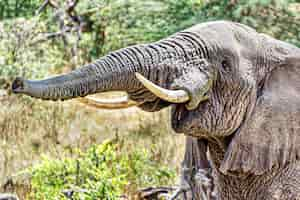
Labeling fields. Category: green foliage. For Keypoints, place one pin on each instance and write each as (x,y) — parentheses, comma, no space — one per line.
(273,17)
(121,23)
(19,56)
(17,8)
(103,172)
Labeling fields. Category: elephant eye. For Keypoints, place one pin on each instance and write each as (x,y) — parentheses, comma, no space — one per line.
(225,65)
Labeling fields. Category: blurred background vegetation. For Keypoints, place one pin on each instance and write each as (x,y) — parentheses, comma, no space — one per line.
(46,147)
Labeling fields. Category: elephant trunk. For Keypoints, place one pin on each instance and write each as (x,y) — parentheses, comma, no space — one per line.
(112,72)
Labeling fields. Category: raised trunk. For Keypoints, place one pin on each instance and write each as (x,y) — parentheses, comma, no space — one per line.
(110,73)
(116,71)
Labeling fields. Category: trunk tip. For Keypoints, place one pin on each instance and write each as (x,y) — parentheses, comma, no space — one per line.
(18,85)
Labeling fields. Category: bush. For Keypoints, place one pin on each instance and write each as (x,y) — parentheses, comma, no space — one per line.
(17,8)
(19,56)
(103,172)
(274,17)
(122,23)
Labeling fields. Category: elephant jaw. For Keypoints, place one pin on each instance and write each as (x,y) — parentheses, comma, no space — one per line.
(190,122)
(178,113)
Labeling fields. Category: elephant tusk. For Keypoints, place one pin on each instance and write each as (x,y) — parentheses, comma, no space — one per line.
(118,103)
(173,96)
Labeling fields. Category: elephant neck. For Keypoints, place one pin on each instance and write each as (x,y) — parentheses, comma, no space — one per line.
(237,186)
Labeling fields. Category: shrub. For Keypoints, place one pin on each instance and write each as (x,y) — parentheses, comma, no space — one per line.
(274,17)
(122,23)
(103,172)
(16,8)
(19,56)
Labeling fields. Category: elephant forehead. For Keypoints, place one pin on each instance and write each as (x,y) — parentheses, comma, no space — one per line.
(224,32)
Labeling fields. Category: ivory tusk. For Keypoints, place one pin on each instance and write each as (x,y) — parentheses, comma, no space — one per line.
(117,103)
(173,96)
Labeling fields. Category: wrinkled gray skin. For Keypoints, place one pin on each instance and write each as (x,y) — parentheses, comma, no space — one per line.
(251,121)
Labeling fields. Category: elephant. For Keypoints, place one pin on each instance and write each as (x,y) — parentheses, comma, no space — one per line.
(8,197)
(227,85)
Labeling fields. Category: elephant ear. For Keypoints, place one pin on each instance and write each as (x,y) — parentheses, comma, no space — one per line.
(270,136)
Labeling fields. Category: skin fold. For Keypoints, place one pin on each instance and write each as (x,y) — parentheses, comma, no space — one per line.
(244,100)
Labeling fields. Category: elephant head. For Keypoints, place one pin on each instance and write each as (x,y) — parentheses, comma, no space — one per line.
(224,81)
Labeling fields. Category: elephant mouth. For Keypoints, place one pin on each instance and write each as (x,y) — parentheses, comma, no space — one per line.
(178,113)
(183,102)
(182,118)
